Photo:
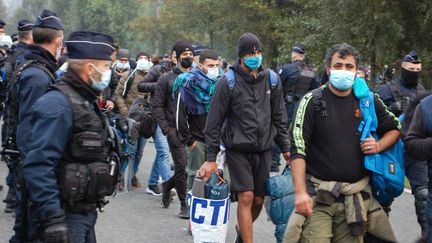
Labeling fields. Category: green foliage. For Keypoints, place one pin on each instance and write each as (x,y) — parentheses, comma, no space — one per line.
(382,30)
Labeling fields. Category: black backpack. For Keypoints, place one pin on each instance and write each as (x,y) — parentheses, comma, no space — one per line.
(141,112)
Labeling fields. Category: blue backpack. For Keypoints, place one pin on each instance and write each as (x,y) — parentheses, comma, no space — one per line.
(272,78)
(387,167)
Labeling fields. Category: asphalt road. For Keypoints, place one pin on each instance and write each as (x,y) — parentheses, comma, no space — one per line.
(138,217)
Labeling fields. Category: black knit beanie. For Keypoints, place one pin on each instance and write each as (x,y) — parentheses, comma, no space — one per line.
(248,43)
(182,46)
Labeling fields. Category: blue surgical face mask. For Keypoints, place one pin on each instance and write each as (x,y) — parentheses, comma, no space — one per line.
(253,62)
(342,79)
(100,85)
(122,66)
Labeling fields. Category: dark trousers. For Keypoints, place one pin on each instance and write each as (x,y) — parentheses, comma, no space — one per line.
(178,154)
(30,211)
(416,172)
(429,201)
(81,227)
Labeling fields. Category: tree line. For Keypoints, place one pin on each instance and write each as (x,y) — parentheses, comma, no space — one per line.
(383,30)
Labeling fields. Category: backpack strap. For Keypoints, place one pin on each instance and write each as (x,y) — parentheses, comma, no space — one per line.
(128,84)
(320,104)
(273,79)
(230,78)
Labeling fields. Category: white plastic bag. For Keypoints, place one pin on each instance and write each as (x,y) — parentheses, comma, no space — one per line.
(209,219)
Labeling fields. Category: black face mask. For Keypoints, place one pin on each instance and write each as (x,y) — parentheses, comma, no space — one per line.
(410,77)
(186,62)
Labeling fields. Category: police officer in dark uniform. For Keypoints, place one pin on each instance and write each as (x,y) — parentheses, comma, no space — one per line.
(25,38)
(397,95)
(34,80)
(297,79)
(15,56)
(33,77)
(68,170)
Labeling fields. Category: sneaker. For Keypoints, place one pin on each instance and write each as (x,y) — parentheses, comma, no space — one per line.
(166,195)
(135,182)
(184,212)
(154,190)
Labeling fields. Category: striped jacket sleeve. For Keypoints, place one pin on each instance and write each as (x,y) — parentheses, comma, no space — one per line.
(386,119)
(302,127)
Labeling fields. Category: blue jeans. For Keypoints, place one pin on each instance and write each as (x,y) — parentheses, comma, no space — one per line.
(161,167)
(139,150)
(276,153)
(81,227)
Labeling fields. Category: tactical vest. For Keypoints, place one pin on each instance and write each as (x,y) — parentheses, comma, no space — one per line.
(302,84)
(426,105)
(404,98)
(89,139)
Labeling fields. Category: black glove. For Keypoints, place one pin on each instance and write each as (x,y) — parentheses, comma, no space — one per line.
(396,108)
(55,228)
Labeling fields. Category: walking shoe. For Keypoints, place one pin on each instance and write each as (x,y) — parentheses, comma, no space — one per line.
(166,195)
(154,190)
(135,182)
(184,212)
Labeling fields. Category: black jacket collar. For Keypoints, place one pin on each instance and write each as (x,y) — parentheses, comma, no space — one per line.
(75,81)
(41,55)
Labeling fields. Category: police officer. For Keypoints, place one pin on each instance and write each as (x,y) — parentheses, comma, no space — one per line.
(297,79)
(15,56)
(418,143)
(397,95)
(70,136)
(33,77)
